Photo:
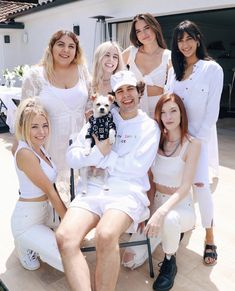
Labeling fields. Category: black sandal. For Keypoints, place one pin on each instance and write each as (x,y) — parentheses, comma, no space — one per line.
(210,252)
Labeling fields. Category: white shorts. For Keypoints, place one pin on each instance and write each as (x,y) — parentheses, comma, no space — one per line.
(98,201)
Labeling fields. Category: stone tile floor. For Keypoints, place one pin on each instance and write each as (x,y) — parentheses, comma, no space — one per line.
(192,274)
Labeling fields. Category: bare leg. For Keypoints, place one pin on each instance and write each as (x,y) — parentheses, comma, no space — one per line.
(74,227)
(111,226)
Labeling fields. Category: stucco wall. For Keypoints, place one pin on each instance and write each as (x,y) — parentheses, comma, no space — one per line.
(41,25)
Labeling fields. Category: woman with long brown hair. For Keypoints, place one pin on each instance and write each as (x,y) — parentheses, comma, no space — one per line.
(148,58)
(171,178)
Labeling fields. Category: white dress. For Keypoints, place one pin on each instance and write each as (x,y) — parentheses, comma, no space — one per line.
(201,94)
(157,77)
(66,109)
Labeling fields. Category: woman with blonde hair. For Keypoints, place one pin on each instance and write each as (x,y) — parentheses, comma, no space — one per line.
(35,213)
(62,83)
(107,61)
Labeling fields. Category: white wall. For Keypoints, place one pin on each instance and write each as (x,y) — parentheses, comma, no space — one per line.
(10,53)
(41,25)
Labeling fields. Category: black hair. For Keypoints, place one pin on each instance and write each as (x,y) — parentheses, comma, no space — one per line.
(140,89)
(178,59)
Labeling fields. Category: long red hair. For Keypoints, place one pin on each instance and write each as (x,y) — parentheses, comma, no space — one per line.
(184,119)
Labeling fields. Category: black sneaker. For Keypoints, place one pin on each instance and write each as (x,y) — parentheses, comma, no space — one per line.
(166,277)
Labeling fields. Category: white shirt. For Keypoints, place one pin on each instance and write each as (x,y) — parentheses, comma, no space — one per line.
(132,154)
(201,94)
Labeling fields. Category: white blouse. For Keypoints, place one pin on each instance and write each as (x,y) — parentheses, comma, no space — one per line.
(201,94)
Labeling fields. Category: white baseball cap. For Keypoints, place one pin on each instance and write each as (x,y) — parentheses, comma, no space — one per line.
(122,78)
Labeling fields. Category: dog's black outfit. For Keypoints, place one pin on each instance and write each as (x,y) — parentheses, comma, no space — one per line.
(100,126)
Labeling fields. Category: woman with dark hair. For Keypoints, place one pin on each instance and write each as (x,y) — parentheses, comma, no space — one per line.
(62,83)
(172,175)
(199,81)
(148,58)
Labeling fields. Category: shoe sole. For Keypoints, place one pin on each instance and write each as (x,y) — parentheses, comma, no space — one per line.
(167,289)
(32,269)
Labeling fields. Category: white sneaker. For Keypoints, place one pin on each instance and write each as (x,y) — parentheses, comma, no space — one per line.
(30,261)
(133,257)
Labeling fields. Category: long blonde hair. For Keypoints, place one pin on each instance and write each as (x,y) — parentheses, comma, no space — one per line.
(26,111)
(47,60)
(97,71)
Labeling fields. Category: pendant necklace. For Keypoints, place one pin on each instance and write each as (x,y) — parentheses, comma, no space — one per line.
(172,153)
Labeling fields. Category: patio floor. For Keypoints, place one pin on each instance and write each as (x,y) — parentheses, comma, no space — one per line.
(192,274)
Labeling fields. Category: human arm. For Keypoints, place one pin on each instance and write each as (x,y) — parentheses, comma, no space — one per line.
(151,192)
(126,54)
(84,74)
(215,74)
(30,165)
(14,146)
(76,154)
(156,221)
(32,83)
(136,162)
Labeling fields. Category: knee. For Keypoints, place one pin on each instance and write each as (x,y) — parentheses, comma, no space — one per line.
(172,220)
(105,239)
(65,240)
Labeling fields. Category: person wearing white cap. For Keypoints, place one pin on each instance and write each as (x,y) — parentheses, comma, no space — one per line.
(125,204)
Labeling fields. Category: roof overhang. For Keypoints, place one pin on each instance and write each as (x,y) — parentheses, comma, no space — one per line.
(41,7)
(12,25)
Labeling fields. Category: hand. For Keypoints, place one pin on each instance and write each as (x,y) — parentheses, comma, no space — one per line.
(155,223)
(141,226)
(104,146)
(88,114)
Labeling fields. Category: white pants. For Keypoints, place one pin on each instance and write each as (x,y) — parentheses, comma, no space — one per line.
(180,219)
(203,194)
(31,225)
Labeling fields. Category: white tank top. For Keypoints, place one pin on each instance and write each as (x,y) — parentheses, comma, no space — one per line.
(27,188)
(168,171)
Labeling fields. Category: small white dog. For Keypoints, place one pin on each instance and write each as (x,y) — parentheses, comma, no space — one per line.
(102,125)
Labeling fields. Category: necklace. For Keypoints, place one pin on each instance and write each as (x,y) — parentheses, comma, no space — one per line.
(172,153)
(171,141)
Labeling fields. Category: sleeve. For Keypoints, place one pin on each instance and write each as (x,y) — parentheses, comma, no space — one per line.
(31,85)
(138,160)
(75,155)
(213,102)
(87,78)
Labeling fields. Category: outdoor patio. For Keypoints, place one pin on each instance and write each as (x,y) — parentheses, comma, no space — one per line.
(192,274)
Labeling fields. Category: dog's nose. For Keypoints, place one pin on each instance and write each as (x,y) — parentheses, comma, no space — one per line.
(101,110)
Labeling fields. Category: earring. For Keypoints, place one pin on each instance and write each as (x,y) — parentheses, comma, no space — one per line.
(165,130)
(198,44)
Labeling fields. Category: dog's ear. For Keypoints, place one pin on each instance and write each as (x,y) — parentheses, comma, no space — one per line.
(111,98)
(93,97)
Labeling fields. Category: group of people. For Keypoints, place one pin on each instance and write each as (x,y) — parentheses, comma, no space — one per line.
(157,163)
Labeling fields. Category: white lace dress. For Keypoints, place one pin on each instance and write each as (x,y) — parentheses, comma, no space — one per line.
(66,109)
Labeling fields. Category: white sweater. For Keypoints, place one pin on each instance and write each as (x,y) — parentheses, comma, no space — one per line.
(132,154)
